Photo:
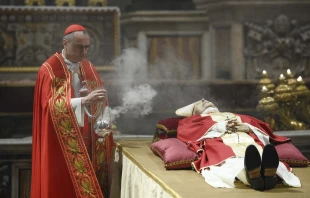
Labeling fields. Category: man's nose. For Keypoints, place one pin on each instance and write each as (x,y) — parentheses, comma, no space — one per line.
(85,49)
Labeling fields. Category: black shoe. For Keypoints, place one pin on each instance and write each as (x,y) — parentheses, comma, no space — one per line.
(252,166)
(270,163)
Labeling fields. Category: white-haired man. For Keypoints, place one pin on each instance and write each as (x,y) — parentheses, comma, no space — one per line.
(68,159)
(232,146)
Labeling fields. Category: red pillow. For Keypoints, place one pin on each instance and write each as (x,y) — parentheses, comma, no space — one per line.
(291,155)
(166,128)
(174,153)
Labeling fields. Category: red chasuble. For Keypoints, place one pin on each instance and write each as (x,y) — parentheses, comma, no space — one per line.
(67,160)
(214,151)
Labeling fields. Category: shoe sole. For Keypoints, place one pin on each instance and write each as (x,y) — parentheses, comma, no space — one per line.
(252,165)
(270,163)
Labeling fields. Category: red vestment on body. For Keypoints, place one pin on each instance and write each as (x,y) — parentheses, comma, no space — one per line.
(67,160)
(213,151)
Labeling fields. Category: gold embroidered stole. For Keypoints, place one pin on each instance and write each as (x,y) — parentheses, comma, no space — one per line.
(101,147)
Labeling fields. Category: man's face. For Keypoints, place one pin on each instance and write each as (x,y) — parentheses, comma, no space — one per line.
(76,50)
(201,106)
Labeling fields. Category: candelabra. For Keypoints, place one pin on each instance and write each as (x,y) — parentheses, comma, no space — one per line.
(285,106)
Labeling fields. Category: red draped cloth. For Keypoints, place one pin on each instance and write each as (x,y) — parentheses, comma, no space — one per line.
(214,151)
(67,160)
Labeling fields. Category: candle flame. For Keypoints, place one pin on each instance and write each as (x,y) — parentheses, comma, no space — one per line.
(264,88)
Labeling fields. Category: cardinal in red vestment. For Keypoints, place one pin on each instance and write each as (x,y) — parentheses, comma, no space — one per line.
(232,146)
(68,159)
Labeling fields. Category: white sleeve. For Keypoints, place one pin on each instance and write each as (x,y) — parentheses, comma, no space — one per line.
(76,104)
(217,130)
(261,136)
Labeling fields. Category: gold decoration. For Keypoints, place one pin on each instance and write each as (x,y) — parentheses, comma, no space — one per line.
(86,186)
(297,125)
(283,92)
(301,90)
(287,108)
(73,146)
(268,107)
(291,81)
(80,165)
(65,2)
(97,2)
(286,100)
(265,81)
(35,2)
(267,103)
(303,101)
(68,134)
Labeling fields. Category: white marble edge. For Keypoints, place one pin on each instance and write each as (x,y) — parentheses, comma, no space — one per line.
(293,133)
(16,141)
(28,140)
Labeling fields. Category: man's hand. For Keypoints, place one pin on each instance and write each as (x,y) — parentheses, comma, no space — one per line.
(236,126)
(232,123)
(94,97)
(243,128)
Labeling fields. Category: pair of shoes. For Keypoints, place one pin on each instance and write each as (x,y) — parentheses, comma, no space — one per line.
(261,173)
(270,163)
(252,166)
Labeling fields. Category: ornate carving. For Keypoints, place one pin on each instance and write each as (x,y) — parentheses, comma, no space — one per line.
(5,183)
(27,40)
(277,46)
(35,2)
(97,2)
(65,2)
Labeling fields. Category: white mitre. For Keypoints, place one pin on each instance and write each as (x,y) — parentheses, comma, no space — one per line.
(187,110)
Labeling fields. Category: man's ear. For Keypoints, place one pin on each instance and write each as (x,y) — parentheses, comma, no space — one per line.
(64,42)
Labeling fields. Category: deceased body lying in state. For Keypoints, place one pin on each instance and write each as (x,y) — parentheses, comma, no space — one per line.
(227,148)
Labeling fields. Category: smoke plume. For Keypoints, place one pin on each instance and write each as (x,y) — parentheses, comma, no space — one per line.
(136,97)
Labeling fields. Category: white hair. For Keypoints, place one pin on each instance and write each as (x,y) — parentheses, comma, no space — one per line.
(69,37)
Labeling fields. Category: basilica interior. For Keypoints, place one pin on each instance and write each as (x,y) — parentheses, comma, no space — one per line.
(249,57)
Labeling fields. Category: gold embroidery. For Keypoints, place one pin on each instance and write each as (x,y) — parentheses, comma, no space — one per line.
(101,163)
(71,144)
(60,106)
(86,186)
(91,84)
(80,165)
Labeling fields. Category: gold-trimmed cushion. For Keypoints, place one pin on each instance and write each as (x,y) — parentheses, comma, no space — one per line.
(174,153)
(289,154)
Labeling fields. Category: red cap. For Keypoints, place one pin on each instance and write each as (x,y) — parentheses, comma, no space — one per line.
(74,28)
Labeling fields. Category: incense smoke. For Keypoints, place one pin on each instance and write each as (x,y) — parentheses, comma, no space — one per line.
(136,99)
